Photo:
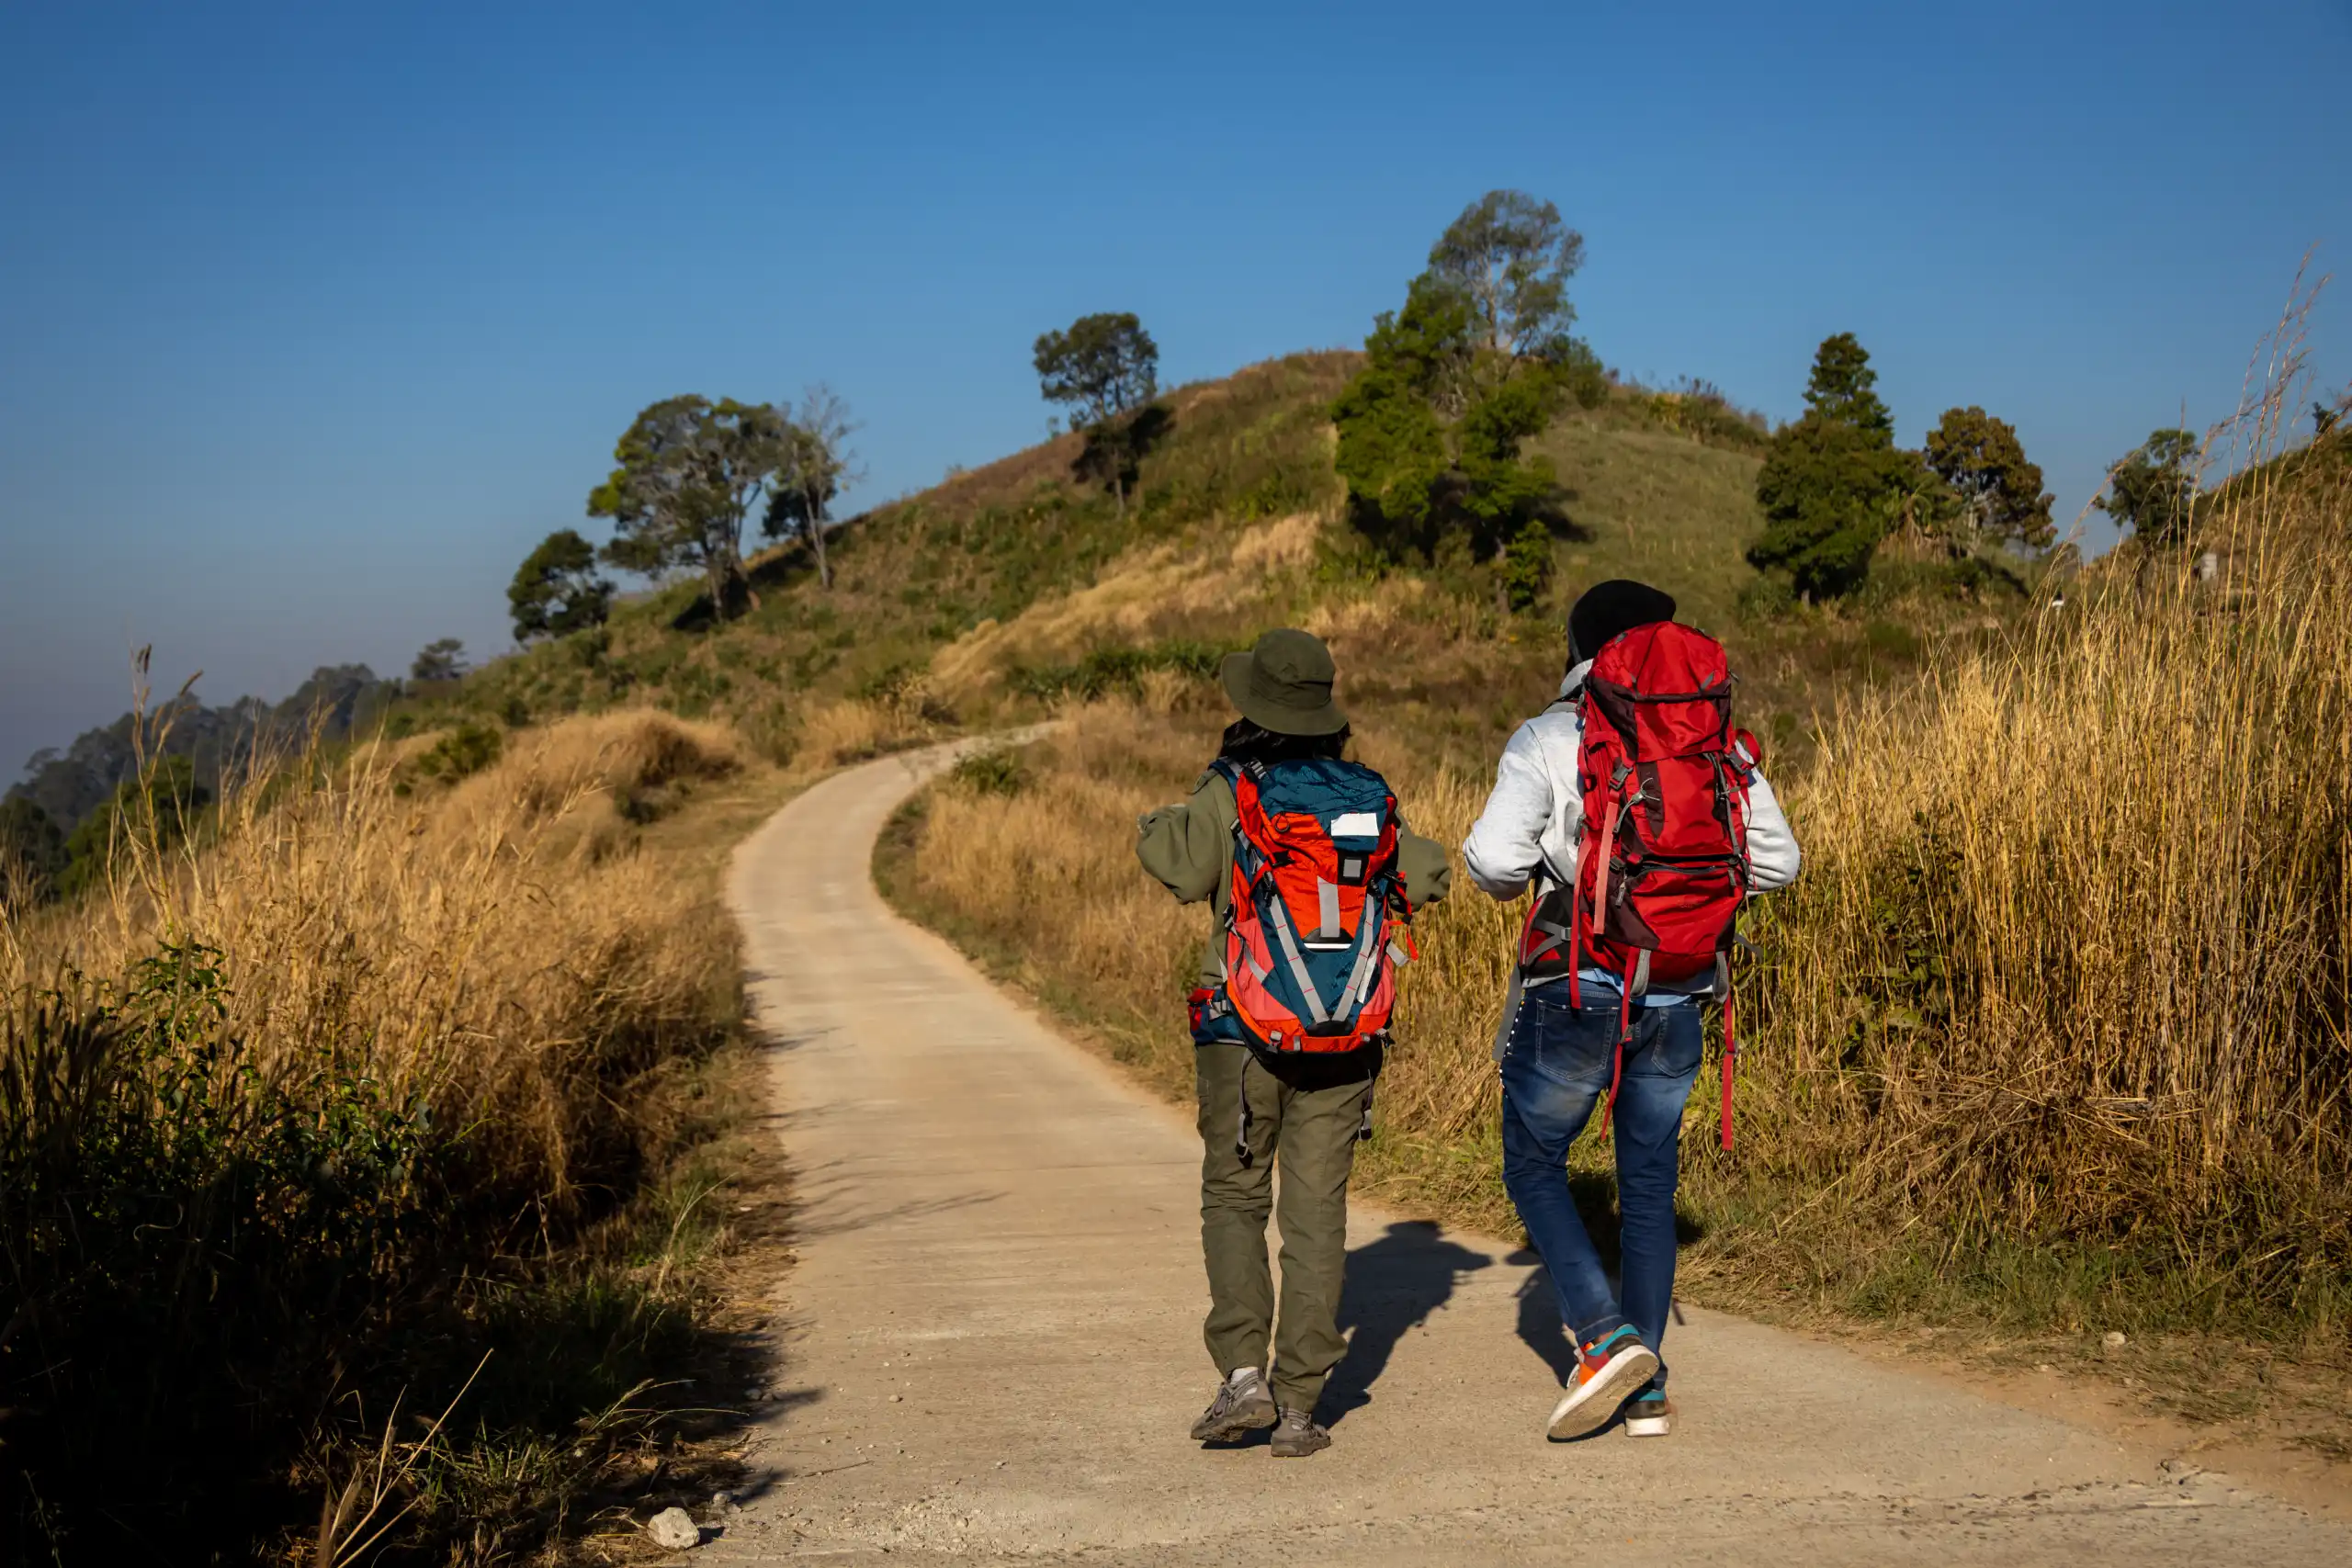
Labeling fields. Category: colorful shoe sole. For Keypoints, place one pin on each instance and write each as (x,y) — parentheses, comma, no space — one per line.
(1588,1405)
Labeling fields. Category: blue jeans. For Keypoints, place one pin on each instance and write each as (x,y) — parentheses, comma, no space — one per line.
(1556,1065)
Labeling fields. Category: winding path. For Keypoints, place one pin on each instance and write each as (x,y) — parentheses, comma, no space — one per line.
(990,1347)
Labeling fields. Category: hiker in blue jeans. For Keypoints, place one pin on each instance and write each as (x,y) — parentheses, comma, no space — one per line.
(1557,1050)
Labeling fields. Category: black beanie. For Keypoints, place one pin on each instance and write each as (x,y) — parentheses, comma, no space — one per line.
(1610,610)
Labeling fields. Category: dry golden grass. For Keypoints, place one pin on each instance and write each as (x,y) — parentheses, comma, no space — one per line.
(1152,592)
(852,731)
(289,1110)
(482,949)
(2071,956)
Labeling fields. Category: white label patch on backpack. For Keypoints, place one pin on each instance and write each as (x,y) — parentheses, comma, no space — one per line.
(1356,825)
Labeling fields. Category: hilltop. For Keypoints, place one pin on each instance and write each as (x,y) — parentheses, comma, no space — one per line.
(1012,584)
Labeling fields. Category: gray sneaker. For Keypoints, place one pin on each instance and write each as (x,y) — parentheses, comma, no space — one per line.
(1241,1407)
(1297,1436)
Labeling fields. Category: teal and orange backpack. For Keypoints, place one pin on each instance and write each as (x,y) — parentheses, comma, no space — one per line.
(1314,923)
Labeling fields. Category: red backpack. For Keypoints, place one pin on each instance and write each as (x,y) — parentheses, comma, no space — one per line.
(1662,853)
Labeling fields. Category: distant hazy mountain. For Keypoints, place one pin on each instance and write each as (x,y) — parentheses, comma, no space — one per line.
(69,784)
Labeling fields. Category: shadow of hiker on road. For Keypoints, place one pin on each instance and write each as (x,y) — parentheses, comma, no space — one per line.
(1393,1286)
(1540,1329)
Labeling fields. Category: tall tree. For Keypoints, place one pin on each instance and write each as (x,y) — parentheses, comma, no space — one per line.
(1104,367)
(1844,387)
(1999,491)
(2153,491)
(1511,257)
(1479,359)
(443,659)
(1393,450)
(818,466)
(1833,481)
(687,472)
(556,591)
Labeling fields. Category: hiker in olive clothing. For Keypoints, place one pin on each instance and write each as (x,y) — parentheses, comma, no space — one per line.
(1297,1092)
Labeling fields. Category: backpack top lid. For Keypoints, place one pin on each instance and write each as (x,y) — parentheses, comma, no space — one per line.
(1664,689)
(1349,800)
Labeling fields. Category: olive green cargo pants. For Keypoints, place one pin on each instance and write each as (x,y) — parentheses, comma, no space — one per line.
(1311,1132)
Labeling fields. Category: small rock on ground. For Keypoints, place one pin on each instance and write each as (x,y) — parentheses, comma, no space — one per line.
(674,1530)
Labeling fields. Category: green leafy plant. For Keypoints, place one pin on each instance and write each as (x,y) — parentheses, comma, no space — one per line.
(463,751)
(1526,572)
(992,773)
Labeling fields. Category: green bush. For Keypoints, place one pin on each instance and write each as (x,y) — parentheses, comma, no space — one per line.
(1526,571)
(464,751)
(194,1239)
(992,773)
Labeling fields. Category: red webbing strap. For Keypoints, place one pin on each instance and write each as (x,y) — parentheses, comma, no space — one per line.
(1624,992)
(1617,1055)
(1600,901)
(1731,1050)
(1575,944)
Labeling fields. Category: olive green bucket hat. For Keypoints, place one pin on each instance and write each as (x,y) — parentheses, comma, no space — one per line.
(1284,685)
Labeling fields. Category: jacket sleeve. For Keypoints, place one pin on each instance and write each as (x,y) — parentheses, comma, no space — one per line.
(1772,856)
(1186,846)
(1427,869)
(1506,844)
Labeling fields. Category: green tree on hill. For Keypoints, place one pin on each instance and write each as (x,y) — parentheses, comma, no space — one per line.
(556,591)
(32,853)
(818,464)
(687,473)
(443,659)
(1833,483)
(2153,491)
(1999,492)
(1510,257)
(1844,387)
(1478,360)
(1106,369)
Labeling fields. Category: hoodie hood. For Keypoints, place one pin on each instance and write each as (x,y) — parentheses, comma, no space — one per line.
(1574,681)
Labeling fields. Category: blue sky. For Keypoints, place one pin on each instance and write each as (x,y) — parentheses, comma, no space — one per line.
(314,318)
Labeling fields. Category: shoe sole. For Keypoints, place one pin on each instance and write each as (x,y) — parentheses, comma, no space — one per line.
(1236,1427)
(1588,1408)
(1649,1425)
(1301,1453)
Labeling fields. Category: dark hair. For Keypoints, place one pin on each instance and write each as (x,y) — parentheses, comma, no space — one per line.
(1245,741)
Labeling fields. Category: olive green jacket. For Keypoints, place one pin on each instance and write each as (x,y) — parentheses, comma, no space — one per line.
(1190,849)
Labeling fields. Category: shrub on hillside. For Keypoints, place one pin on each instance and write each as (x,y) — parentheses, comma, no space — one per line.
(462,752)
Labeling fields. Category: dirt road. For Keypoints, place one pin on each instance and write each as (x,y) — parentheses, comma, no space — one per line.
(990,1344)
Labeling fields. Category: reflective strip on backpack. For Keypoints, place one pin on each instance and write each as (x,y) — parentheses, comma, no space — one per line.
(1280,922)
(1326,900)
(1359,985)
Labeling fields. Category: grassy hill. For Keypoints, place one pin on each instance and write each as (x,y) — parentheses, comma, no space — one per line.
(1011,585)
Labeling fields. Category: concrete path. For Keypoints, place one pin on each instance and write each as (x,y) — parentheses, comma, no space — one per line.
(991,1346)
